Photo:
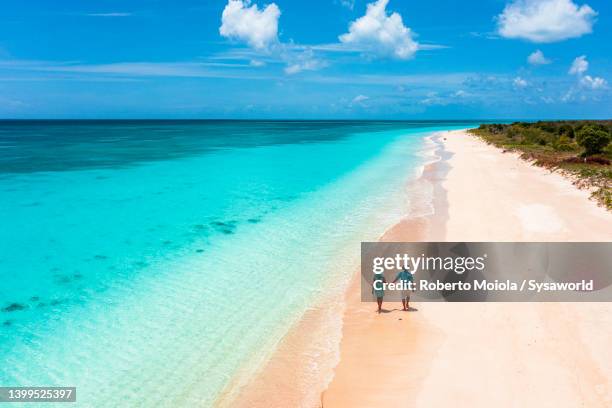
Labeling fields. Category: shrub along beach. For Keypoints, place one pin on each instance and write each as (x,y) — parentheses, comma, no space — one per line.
(579,149)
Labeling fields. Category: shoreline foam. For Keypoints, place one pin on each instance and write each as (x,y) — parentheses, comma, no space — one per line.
(371,371)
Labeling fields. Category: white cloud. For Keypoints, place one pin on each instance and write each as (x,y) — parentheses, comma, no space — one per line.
(568,96)
(302,61)
(519,82)
(593,82)
(113,14)
(11,103)
(579,66)
(585,83)
(349,4)
(459,97)
(545,21)
(306,65)
(137,69)
(382,34)
(360,98)
(537,58)
(257,63)
(257,28)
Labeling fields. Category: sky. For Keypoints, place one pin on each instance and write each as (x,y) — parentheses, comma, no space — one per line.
(317,59)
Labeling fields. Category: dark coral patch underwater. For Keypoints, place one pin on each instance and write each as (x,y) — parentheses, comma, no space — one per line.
(14,307)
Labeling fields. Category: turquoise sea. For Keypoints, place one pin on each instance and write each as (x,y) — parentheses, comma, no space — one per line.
(149,262)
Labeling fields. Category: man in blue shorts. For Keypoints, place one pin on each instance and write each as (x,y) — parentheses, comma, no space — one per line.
(405,277)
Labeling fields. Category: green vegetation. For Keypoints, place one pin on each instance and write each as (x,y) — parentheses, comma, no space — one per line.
(580,149)
(593,140)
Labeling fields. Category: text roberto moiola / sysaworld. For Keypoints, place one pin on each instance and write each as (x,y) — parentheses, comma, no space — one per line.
(459,265)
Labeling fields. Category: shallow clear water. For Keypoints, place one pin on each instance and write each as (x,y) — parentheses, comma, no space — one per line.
(146,263)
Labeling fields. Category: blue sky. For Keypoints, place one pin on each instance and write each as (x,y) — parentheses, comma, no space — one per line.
(395,59)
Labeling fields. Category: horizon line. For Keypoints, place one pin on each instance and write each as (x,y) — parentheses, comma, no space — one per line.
(162,119)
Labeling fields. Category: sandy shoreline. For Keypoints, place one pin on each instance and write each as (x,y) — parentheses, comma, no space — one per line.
(483,354)
(479,354)
(302,364)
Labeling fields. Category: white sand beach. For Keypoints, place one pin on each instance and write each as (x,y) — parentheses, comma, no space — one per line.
(483,354)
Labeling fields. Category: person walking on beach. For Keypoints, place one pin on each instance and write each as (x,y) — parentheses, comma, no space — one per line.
(405,277)
(377,289)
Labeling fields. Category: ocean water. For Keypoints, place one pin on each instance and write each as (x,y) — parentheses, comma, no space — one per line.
(149,262)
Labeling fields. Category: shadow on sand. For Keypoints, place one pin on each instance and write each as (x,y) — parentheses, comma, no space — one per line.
(410,309)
